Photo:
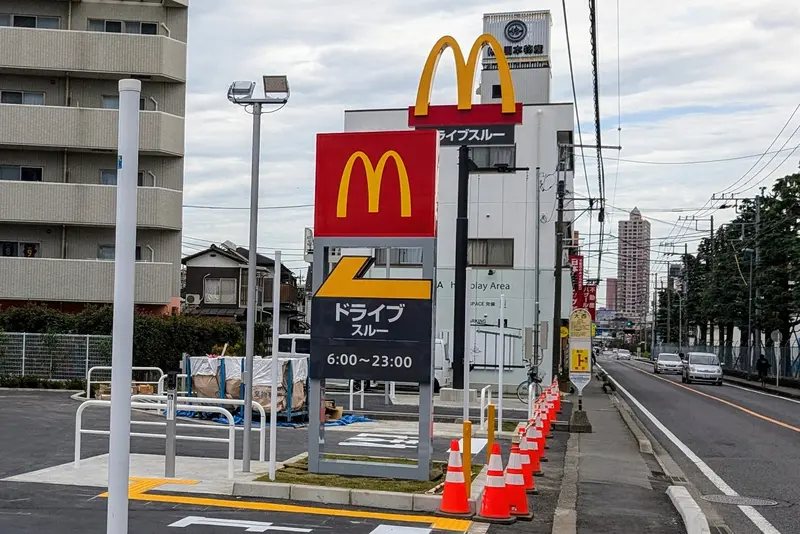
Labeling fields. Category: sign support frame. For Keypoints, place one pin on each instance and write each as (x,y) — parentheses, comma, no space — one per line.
(316,431)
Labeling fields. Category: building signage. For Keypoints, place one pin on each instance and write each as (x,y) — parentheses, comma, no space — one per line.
(491,134)
(309,245)
(376,184)
(371,329)
(580,348)
(465,112)
(525,40)
(576,267)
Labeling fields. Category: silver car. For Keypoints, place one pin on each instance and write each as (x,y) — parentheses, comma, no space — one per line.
(701,367)
(668,362)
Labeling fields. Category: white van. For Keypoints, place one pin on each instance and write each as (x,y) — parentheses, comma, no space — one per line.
(299,346)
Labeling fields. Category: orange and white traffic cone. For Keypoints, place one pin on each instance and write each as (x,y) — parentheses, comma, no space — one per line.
(515,486)
(527,472)
(454,496)
(534,453)
(495,507)
(540,436)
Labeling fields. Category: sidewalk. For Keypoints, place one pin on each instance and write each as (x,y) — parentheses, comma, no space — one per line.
(613,485)
(782,391)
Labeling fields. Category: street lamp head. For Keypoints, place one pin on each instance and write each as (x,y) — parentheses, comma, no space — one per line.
(276,84)
(241,90)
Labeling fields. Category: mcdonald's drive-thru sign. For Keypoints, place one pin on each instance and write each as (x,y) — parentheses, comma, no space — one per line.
(465,113)
(376,184)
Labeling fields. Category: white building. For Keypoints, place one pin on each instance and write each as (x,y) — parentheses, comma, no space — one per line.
(502,222)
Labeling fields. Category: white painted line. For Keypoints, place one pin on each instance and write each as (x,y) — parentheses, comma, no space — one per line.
(249,526)
(392,529)
(728,384)
(758,520)
(477,445)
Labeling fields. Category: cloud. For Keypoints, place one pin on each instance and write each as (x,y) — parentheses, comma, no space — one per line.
(698,80)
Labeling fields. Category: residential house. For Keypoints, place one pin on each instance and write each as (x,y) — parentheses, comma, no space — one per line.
(216,286)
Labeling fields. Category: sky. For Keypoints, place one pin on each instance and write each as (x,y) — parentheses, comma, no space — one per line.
(680,82)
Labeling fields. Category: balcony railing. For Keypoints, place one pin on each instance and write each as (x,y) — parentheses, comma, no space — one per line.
(154,57)
(86,129)
(85,204)
(87,281)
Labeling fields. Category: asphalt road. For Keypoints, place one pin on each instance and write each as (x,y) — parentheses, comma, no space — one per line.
(751,441)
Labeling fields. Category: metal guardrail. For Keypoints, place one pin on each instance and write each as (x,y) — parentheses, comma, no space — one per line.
(352,384)
(109,368)
(199,404)
(486,400)
(230,440)
(160,387)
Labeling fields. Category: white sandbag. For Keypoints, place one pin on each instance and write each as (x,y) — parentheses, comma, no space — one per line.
(203,365)
(299,369)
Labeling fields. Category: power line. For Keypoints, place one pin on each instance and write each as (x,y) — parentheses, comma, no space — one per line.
(695,162)
(289,207)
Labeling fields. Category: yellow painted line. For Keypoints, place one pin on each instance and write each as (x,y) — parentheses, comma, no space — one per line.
(140,486)
(346,281)
(723,401)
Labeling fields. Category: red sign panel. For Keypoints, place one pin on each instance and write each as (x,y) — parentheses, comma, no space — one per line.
(576,263)
(577,299)
(376,184)
(478,115)
(590,299)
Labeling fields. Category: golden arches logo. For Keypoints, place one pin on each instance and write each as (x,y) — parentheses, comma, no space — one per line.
(465,73)
(374,179)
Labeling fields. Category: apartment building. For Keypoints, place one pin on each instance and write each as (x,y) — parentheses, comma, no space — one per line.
(60,63)
(633,267)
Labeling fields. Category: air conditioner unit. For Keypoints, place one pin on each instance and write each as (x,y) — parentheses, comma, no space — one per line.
(193,299)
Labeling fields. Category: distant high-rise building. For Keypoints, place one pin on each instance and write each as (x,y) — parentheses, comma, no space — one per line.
(611,293)
(633,267)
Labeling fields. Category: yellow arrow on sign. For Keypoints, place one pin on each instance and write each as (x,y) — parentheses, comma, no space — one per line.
(347,281)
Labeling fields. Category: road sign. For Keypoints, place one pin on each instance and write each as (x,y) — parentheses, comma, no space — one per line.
(564,332)
(249,526)
(776,337)
(371,329)
(580,380)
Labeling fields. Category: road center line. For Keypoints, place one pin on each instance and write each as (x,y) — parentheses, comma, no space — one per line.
(754,516)
(723,401)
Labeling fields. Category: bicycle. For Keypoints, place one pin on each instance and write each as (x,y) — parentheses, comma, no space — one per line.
(522,389)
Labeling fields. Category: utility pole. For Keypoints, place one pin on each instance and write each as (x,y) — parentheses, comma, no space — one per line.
(757,246)
(558,274)
(537,270)
(710,265)
(460,275)
(669,306)
(653,324)
(685,288)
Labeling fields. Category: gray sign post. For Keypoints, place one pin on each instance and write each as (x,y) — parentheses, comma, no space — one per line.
(172,391)
(408,350)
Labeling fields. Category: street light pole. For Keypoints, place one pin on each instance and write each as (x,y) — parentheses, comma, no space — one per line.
(252,266)
(241,93)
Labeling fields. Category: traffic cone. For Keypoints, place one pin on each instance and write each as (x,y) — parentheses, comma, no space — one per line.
(540,436)
(527,472)
(515,486)
(534,454)
(454,496)
(495,506)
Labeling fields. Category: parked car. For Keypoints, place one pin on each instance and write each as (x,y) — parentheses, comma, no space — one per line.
(701,367)
(668,362)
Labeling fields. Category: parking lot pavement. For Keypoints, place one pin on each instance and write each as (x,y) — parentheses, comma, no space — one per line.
(39,508)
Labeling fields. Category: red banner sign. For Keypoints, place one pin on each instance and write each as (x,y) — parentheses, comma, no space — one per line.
(590,299)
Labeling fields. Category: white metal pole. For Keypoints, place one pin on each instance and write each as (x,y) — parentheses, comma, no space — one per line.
(252,266)
(388,275)
(273,400)
(502,364)
(124,286)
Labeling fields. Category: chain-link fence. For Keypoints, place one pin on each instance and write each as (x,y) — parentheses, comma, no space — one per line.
(52,356)
(741,358)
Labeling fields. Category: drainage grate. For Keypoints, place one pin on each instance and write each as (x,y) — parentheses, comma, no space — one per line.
(679,480)
(739,500)
(721,530)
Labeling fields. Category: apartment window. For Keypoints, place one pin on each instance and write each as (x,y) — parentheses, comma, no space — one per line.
(302,346)
(285,345)
(490,252)
(566,160)
(25,174)
(108,252)
(491,156)
(126,26)
(30,21)
(399,256)
(109,177)
(219,290)
(29,98)
(17,249)
(497,91)
(112,102)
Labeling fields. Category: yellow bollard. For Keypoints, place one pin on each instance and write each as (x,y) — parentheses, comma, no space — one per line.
(466,455)
(490,435)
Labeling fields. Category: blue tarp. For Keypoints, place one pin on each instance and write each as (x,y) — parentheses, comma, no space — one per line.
(349,420)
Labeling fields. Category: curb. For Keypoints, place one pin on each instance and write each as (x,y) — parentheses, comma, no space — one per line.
(386,500)
(41,390)
(757,387)
(645,446)
(693,517)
